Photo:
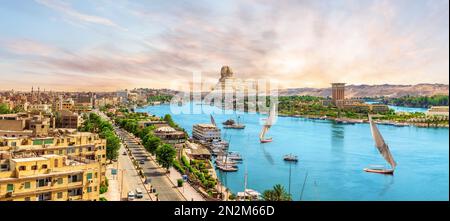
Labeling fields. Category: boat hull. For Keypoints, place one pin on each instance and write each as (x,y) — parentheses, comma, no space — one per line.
(266,140)
(380,171)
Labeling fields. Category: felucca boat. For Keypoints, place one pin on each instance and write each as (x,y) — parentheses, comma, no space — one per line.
(383,148)
(266,127)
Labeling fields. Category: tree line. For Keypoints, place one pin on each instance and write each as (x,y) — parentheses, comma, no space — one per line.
(95,124)
(418,101)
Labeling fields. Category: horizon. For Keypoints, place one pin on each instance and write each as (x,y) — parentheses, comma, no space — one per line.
(130,89)
(72,46)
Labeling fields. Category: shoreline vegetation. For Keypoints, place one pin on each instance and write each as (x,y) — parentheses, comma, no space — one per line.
(310,107)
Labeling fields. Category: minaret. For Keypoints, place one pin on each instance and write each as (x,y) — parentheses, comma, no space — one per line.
(39,96)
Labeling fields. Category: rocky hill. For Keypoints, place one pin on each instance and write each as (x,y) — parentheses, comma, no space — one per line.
(386,90)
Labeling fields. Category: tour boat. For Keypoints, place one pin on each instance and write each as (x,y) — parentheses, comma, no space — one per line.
(383,148)
(231,124)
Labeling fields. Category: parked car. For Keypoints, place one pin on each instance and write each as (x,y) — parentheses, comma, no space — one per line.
(124,153)
(131,196)
(139,193)
(141,162)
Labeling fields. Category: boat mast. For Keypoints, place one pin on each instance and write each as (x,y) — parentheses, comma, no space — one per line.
(303,187)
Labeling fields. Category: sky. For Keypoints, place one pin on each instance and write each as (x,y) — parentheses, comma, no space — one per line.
(109,45)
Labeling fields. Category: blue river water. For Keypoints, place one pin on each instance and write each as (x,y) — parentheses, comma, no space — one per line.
(331,158)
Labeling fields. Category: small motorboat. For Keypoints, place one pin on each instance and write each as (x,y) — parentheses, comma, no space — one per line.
(226,168)
(290,157)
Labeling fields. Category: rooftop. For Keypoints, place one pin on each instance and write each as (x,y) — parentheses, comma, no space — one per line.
(206,126)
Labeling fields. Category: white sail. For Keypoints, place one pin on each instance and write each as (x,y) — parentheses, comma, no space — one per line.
(213,122)
(268,123)
(380,144)
(263,132)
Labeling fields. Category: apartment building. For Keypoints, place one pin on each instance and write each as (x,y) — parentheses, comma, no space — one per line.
(50,178)
(81,144)
(69,119)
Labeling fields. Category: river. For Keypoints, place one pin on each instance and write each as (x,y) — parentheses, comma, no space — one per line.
(332,156)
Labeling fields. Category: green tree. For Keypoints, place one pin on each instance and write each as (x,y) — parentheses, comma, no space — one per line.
(278,193)
(165,155)
(151,143)
(4,109)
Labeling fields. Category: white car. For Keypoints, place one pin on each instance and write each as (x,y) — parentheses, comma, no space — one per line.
(131,196)
(139,193)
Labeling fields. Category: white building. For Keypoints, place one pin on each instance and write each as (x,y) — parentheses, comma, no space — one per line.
(206,132)
(122,95)
(438,111)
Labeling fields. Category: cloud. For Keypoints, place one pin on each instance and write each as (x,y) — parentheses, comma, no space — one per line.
(65,9)
(298,43)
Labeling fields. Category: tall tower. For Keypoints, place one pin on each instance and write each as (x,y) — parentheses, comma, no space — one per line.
(337,92)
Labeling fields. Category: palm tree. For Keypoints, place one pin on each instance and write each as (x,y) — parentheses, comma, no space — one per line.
(278,193)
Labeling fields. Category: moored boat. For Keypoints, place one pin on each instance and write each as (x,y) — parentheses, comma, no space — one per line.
(290,157)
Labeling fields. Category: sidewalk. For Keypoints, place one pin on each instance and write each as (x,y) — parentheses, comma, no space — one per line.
(188,192)
(113,193)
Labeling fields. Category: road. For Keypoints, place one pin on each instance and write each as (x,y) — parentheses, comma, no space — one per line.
(127,178)
(166,190)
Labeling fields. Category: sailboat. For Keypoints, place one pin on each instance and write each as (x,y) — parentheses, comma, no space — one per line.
(266,126)
(213,122)
(384,151)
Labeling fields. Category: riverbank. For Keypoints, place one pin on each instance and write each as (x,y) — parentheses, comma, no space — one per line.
(366,121)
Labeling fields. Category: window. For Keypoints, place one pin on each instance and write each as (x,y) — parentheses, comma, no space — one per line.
(59,195)
(61,152)
(89,176)
(95,189)
(10,188)
(27,199)
(75,192)
(75,178)
(3,167)
(44,166)
(60,180)
(27,185)
(56,162)
(89,189)
(34,167)
(71,150)
(43,182)
(95,174)
(22,168)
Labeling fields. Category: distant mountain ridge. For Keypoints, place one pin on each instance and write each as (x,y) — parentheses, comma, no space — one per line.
(387,90)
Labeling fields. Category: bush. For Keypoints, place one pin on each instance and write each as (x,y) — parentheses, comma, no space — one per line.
(103,199)
(178,167)
(180,182)
(103,189)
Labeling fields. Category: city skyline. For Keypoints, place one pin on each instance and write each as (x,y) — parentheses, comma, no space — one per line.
(106,46)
